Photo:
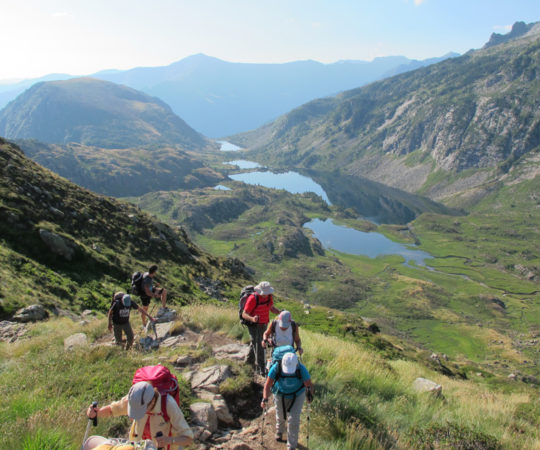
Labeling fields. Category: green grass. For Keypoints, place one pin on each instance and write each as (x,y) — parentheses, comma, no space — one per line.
(362,398)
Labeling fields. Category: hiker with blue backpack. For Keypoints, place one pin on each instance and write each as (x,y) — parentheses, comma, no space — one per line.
(283,331)
(291,384)
(255,313)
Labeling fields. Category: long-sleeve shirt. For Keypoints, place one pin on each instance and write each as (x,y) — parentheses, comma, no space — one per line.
(177,425)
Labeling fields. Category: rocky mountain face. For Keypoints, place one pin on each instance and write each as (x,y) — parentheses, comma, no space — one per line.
(66,247)
(441,130)
(219,98)
(97,113)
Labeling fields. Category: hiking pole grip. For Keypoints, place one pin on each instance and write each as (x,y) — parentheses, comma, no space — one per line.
(94,420)
(159,434)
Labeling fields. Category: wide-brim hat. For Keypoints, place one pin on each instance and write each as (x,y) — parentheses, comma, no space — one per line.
(264,288)
(139,397)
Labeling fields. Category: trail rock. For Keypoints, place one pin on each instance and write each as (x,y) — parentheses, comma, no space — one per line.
(11,331)
(183,361)
(58,244)
(425,385)
(148,343)
(232,351)
(163,329)
(166,315)
(222,410)
(203,414)
(31,313)
(210,376)
(75,340)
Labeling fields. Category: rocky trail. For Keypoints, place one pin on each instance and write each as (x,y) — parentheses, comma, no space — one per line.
(218,421)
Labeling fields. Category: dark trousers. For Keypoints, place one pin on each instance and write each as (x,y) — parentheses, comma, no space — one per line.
(126,328)
(256,350)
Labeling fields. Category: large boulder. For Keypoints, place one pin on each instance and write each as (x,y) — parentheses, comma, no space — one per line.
(58,244)
(203,414)
(210,377)
(425,385)
(232,351)
(75,340)
(32,313)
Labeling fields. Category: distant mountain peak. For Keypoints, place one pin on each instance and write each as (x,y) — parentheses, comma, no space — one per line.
(519,29)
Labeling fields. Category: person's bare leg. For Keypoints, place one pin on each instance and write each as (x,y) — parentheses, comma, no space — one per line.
(164,297)
(143,317)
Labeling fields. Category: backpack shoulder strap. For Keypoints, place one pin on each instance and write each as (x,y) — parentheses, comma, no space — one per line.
(164,413)
(294,326)
(273,326)
(256,303)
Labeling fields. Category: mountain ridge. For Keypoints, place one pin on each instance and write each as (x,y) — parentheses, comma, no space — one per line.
(477,112)
(95,112)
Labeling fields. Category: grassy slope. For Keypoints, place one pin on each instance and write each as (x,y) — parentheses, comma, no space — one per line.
(363,399)
(111,240)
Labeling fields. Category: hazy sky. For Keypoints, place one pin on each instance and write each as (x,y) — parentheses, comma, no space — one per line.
(38,37)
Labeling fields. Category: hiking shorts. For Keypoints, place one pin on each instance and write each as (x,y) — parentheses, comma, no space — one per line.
(145,300)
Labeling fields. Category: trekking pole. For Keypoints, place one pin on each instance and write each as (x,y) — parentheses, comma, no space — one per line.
(308,413)
(94,421)
(262,427)
(159,434)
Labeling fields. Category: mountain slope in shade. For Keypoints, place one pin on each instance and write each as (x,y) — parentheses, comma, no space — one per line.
(95,112)
(65,247)
(123,172)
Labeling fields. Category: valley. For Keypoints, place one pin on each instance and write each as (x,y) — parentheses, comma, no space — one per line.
(399,222)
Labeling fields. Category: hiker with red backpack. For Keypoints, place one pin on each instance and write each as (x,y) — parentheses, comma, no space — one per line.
(283,331)
(256,314)
(153,404)
(291,384)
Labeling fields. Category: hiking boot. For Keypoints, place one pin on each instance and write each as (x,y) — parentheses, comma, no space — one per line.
(279,437)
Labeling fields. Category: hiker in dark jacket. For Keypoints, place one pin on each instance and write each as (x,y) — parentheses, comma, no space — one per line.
(291,383)
(257,312)
(283,331)
(118,316)
(149,291)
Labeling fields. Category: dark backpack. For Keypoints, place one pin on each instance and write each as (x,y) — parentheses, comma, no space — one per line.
(244,295)
(163,380)
(136,283)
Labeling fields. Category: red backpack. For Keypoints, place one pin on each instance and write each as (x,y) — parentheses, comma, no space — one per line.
(163,380)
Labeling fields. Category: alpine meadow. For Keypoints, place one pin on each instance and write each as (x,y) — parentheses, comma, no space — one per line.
(393,207)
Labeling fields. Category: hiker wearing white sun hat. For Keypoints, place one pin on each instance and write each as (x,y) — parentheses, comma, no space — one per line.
(290,382)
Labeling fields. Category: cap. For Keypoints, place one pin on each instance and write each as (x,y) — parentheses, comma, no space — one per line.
(284,319)
(126,300)
(289,363)
(139,397)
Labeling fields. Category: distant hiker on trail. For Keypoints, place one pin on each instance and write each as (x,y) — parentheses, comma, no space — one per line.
(149,291)
(118,316)
(143,405)
(257,314)
(289,380)
(283,331)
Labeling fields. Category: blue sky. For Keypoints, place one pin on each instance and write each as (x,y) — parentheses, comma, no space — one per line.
(38,37)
